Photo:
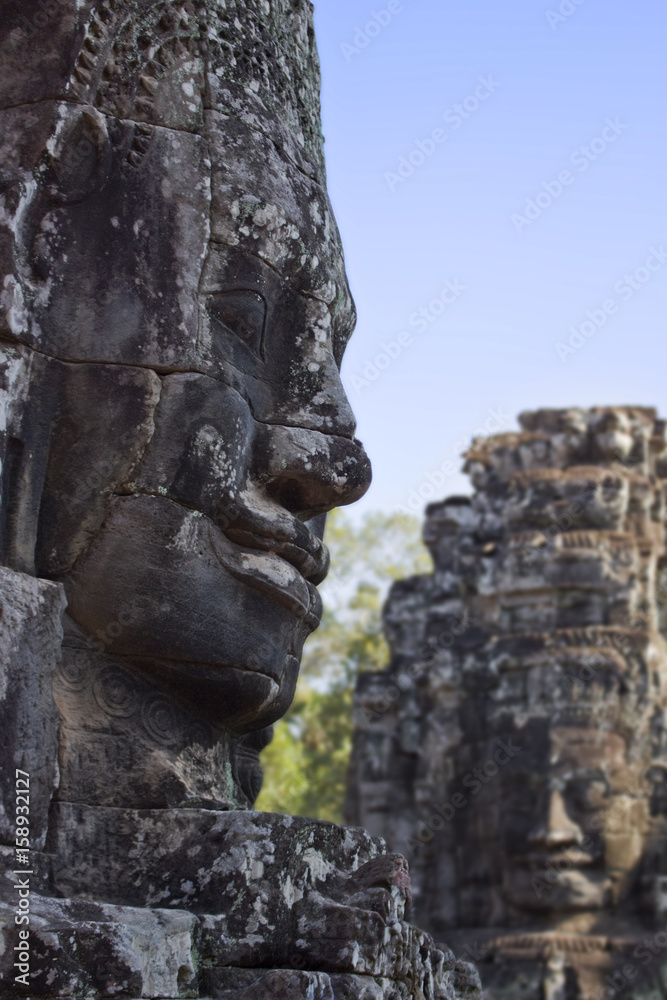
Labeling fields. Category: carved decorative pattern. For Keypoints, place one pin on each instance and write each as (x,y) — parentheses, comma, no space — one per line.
(74,670)
(162,721)
(548,944)
(116,693)
(265,47)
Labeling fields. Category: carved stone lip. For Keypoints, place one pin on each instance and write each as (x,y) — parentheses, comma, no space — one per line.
(258,558)
(573,857)
(304,550)
(264,570)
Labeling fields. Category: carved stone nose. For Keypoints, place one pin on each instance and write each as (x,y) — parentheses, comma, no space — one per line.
(559,830)
(329,409)
(310,473)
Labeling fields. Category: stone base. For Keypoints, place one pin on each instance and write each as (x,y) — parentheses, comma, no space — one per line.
(197,903)
(80,949)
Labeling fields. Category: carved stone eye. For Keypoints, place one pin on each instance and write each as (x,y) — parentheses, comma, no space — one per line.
(242,313)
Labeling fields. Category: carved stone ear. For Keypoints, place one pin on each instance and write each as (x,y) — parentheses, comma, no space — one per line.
(80,157)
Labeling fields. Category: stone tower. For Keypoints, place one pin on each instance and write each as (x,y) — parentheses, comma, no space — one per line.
(515,748)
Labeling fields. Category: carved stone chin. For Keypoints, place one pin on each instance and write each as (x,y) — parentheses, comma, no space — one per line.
(174,310)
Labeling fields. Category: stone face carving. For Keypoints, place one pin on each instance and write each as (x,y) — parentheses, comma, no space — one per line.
(174,313)
(515,748)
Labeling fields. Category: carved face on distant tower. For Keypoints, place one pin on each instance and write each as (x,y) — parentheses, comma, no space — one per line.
(576,800)
(178,257)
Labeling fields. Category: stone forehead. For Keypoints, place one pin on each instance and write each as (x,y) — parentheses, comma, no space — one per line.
(140,60)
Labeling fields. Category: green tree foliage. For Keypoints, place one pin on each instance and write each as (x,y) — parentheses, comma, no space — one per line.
(306,763)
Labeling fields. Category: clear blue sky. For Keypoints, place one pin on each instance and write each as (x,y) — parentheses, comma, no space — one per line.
(460,216)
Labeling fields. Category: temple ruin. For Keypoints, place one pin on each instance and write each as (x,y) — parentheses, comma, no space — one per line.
(514,749)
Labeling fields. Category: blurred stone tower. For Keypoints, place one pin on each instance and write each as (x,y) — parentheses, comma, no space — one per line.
(515,747)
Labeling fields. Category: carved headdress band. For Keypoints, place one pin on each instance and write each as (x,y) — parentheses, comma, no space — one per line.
(168,63)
